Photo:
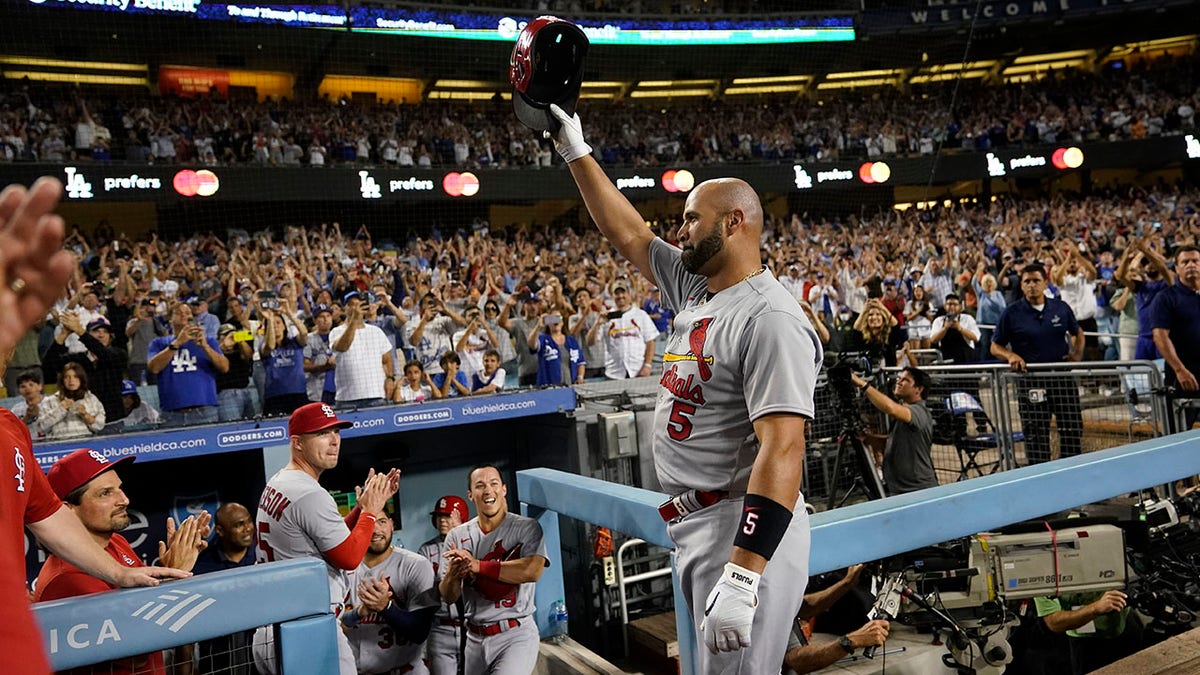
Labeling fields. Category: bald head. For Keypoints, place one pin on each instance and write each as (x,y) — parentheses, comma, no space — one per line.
(235,528)
(734,194)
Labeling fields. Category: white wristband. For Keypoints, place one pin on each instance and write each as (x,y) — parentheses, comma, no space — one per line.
(742,578)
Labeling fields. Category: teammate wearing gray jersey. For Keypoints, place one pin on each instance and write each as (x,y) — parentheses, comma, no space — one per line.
(493,563)
(441,647)
(297,518)
(392,604)
(738,378)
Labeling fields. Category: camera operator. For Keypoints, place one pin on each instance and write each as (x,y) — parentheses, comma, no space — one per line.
(907,464)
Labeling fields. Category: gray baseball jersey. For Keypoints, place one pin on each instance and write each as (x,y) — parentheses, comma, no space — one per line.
(515,537)
(745,352)
(377,648)
(748,351)
(433,550)
(297,518)
(441,648)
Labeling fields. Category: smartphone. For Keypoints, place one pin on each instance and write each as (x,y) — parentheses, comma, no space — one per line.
(242,336)
(615,314)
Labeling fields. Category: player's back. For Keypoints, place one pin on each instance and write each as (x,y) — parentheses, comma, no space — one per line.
(297,518)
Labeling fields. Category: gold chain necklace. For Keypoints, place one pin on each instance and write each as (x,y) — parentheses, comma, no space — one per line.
(753,274)
(708,295)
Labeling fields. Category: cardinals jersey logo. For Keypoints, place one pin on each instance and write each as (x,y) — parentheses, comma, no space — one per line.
(696,340)
(498,552)
(494,589)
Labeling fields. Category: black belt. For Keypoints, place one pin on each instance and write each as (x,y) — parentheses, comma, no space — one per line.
(449,622)
(688,502)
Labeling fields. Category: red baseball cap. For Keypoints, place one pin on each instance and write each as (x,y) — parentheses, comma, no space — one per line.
(78,468)
(451,504)
(314,417)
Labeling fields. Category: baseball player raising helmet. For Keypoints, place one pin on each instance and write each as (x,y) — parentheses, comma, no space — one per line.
(739,374)
(297,518)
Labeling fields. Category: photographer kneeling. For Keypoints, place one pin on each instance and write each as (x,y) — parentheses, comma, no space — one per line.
(907,464)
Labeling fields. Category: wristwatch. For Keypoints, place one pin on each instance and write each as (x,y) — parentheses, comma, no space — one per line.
(845,643)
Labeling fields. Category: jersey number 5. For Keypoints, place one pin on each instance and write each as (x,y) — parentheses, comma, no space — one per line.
(263,530)
(679,424)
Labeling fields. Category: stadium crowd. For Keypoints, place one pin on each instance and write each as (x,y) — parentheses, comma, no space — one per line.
(250,323)
(1148,99)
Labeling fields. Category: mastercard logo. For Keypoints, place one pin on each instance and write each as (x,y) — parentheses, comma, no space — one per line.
(203,183)
(463,184)
(874,172)
(1067,158)
(678,181)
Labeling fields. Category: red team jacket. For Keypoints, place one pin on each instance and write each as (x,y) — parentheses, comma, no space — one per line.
(25,497)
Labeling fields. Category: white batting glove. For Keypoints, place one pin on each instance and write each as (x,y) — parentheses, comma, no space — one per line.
(568,140)
(729,610)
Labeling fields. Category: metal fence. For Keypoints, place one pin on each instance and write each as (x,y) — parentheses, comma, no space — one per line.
(988,418)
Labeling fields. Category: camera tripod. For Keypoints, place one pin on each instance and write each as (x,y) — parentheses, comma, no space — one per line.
(850,448)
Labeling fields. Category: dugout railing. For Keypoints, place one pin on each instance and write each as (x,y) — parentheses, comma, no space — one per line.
(292,595)
(869,530)
(295,596)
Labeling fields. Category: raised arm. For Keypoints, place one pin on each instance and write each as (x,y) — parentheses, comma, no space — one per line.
(618,221)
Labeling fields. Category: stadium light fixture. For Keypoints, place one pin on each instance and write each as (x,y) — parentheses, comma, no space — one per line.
(669,93)
(945,77)
(677,83)
(81,65)
(859,74)
(1042,67)
(77,78)
(765,89)
(782,79)
(850,84)
(467,84)
(1077,55)
(456,95)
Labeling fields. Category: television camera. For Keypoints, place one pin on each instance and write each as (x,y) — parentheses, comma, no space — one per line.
(965,587)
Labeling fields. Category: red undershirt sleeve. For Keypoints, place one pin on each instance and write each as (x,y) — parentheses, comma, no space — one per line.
(348,554)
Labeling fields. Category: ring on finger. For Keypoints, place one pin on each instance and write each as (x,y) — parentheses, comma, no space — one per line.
(17,285)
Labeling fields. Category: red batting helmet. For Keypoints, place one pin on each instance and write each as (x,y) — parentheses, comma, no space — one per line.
(450,504)
(546,67)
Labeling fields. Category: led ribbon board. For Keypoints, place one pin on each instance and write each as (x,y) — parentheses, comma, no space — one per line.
(477,26)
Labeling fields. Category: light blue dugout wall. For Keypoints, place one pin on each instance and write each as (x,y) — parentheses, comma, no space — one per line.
(105,626)
(877,529)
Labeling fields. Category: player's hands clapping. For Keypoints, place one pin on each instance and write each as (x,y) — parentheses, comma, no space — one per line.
(462,563)
(374,594)
(729,610)
(378,487)
(185,543)
(568,140)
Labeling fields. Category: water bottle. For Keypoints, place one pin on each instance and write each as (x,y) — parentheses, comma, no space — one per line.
(558,616)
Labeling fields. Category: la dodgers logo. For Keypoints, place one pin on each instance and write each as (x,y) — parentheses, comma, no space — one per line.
(368,186)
